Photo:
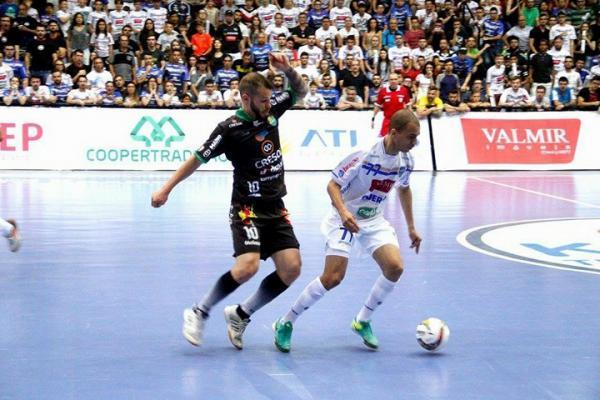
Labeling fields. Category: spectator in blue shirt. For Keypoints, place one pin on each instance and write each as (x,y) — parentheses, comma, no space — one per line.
(493,30)
(226,74)
(260,52)
(58,89)
(401,12)
(177,73)
(463,67)
(447,81)
(561,97)
(388,38)
(329,93)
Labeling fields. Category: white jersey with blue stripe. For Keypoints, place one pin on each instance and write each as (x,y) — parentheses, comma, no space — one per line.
(366,178)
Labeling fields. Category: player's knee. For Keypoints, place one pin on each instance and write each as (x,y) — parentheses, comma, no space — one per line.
(394,271)
(332,279)
(291,271)
(246,270)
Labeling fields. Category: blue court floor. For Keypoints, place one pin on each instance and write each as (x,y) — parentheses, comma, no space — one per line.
(91,308)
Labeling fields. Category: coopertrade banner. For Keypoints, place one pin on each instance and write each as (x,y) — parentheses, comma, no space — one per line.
(495,141)
(155,139)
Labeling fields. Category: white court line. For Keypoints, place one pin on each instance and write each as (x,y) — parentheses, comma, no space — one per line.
(582,203)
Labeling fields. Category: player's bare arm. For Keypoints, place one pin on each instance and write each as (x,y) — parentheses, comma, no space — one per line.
(281,62)
(161,196)
(335,193)
(406,202)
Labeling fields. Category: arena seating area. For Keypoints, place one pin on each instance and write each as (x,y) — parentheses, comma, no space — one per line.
(453,55)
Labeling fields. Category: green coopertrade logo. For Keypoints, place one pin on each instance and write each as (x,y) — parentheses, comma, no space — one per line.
(157,133)
(148,131)
(366,212)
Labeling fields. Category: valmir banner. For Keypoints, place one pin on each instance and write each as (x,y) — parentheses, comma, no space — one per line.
(488,141)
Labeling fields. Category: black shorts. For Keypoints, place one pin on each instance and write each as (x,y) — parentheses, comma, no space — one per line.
(253,232)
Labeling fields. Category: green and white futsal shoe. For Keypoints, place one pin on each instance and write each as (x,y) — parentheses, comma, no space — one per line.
(283,335)
(363,329)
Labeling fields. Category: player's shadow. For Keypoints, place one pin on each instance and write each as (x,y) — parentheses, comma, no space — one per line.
(426,354)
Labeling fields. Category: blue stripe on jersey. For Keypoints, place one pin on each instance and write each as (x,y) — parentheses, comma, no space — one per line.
(376,170)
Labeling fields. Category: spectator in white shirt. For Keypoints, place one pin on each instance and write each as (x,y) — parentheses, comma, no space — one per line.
(347,30)
(565,31)
(314,53)
(422,50)
(515,96)
(306,69)
(37,93)
(158,14)
(210,96)
(573,77)
(232,96)
(314,100)
(98,76)
(82,96)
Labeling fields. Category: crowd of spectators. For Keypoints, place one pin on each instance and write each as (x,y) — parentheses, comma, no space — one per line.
(452,55)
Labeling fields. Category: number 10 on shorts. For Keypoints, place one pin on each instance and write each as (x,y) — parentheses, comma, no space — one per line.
(251,232)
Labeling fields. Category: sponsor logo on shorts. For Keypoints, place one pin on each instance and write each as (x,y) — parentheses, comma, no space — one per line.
(366,212)
(520,141)
(569,244)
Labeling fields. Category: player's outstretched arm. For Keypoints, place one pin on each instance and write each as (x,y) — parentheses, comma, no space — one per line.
(281,62)
(335,193)
(161,196)
(406,202)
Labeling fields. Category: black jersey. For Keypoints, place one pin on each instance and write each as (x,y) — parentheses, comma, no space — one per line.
(254,149)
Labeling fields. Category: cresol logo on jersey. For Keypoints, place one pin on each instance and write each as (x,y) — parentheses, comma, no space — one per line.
(571,244)
(17,139)
(520,141)
(157,138)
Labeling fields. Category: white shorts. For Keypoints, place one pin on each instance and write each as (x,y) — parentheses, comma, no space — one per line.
(371,236)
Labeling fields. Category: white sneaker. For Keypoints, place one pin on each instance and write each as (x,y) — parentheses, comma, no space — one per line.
(14,240)
(235,326)
(193,327)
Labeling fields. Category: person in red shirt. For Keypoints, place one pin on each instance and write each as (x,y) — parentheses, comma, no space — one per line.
(202,42)
(390,99)
(408,68)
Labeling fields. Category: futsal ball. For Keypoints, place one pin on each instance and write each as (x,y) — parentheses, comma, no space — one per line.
(432,334)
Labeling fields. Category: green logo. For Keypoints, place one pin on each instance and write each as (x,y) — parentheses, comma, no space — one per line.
(272,120)
(366,212)
(158,133)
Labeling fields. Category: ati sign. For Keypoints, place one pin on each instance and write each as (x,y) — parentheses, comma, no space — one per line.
(520,141)
(571,244)
(19,137)
(330,138)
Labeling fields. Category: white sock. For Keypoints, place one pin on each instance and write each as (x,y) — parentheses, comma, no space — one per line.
(379,292)
(6,229)
(309,296)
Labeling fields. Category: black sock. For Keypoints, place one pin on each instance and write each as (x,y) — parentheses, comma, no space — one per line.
(222,288)
(271,287)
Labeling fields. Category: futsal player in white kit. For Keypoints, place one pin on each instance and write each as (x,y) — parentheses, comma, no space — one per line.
(358,189)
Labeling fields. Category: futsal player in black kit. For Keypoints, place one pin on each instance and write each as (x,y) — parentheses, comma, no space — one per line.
(259,221)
